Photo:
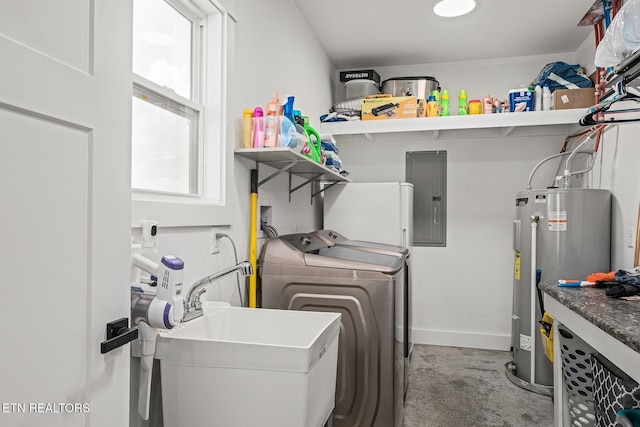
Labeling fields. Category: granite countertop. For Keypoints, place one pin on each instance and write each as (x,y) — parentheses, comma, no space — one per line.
(618,317)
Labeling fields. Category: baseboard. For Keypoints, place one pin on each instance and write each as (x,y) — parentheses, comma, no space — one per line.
(461,339)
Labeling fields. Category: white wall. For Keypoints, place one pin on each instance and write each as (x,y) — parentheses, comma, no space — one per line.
(274,51)
(618,171)
(463,292)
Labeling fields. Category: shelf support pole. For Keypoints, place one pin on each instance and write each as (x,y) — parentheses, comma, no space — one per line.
(314,177)
(326,187)
(278,172)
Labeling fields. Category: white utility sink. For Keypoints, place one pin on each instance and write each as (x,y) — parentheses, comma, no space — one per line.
(240,366)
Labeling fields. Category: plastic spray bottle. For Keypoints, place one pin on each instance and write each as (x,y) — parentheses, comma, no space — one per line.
(463,108)
(537,101)
(258,128)
(445,103)
(271,122)
(546,97)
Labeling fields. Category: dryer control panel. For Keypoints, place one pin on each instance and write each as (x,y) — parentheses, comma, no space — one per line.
(306,242)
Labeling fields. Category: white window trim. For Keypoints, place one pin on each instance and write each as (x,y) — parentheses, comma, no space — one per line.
(186,210)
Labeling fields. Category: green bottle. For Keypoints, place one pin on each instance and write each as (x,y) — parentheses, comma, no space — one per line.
(315,152)
(463,107)
(445,103)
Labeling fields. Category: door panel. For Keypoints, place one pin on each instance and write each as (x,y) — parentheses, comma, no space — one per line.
(30,23)
(65,114)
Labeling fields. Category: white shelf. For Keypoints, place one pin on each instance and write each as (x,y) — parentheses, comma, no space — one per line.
(557,122)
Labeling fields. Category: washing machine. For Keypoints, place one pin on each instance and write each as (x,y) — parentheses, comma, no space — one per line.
(402,293)
(306,271)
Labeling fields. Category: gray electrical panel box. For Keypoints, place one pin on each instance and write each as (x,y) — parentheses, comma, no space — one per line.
(427,171)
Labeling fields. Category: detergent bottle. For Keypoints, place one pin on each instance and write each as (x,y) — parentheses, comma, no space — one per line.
(436,95)
(445,103)
(432,107)
(463,108)
(313,151)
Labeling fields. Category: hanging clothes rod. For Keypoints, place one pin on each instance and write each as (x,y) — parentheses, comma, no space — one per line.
(603,113)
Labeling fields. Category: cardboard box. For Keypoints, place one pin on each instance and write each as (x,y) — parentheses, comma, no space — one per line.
(346,76)
(385,108)
(564,99)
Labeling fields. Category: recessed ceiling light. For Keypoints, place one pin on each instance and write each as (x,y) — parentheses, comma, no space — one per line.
(452,8)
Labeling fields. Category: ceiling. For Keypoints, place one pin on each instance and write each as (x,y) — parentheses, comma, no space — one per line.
(370,33)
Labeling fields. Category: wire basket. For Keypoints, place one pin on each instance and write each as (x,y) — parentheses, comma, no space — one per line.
(577,378)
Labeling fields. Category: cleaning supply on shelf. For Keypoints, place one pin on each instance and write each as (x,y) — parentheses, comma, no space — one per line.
(498,106)
(436,95)
(487,105)
(258,128)
(463,108)
(475,106)
(521,100)
(247,128)
(546,97)
(312,149)
(445,103)
(287,109)
(271,122)
(288,134)
(432,106)
(297,118)
(537,102)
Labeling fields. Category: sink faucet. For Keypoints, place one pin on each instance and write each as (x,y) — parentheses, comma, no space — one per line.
(192,303)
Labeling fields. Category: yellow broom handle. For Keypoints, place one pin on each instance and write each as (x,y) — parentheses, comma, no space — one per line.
(253,239)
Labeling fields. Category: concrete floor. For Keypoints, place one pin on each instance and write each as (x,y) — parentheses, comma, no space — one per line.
(465,387)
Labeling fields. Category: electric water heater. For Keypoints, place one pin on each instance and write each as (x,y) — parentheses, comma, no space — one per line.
(558,234)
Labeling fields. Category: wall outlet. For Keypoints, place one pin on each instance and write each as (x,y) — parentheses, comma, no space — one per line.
(215,242)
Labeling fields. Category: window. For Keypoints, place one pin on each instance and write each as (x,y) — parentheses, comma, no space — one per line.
(178,155)
(165,128)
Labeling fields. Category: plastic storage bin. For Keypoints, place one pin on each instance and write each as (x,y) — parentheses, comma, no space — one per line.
(613,390)
(577,378)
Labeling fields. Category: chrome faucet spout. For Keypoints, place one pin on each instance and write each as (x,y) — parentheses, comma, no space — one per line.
(192,304)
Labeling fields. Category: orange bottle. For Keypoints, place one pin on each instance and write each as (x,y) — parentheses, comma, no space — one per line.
(432,107)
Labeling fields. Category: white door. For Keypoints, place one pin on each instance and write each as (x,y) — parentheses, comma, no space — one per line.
(65,109)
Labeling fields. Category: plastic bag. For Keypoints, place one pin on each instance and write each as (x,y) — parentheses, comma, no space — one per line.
(560,75)
(622,38)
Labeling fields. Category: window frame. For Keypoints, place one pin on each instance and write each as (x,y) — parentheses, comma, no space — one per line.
(209,207)
(196,143)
